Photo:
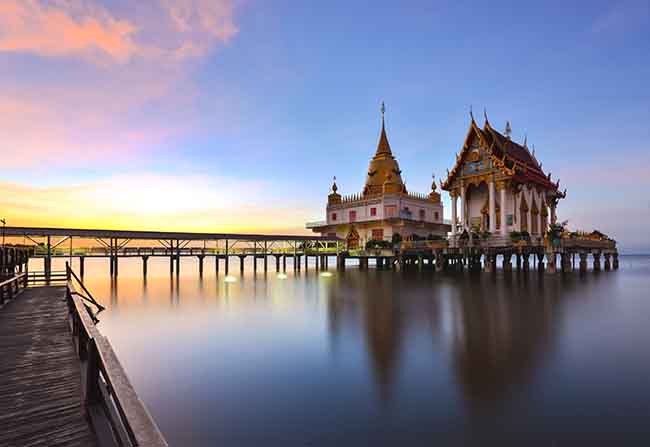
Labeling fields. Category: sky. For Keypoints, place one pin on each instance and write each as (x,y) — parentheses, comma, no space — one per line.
(234,115)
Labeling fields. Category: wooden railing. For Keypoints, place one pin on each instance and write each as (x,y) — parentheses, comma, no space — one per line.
(11,287)
(117,413)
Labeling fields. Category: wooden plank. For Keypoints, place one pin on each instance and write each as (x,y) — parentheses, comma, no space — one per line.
(40,375)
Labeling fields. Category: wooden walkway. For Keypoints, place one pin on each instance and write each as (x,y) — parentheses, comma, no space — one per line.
(40,375)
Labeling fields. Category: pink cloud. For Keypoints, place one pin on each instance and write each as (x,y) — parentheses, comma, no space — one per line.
(125,64)
(173,28)
(51,30)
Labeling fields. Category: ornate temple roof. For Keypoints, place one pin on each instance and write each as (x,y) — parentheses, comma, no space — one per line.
(513,159)
(383,168)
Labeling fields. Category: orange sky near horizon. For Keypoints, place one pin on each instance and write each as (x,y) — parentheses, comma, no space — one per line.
(153,202)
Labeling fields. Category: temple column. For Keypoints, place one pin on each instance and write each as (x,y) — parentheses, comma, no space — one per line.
(463,220)
(529,215)
(454,200)
(492,208)
(504,227)
(553,215)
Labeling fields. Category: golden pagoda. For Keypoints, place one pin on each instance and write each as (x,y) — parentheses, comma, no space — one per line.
(384,208)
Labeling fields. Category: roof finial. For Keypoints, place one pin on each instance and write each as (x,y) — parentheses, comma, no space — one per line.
(383,110)
(334,187)
(485,116)
(471,114)
(433,184)
(508,130)
(526,141)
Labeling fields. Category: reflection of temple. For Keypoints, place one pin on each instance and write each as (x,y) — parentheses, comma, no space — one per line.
(501,185)
(384,207)
(498,339)
(370,307)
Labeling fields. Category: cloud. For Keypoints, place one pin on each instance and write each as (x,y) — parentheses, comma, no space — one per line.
(119,83)
(184,28)
(153,201)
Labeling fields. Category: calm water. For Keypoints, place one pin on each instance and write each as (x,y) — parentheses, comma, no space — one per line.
(385,358)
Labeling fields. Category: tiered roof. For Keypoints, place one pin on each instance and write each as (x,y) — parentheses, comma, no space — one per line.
(513,159)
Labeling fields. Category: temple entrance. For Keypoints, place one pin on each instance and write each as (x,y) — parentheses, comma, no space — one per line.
(477,218)
(352,239)
(523,214)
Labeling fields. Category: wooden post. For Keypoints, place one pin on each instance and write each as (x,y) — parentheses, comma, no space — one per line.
(201,265)
(596,256)
(92,392)
(296,258)
(241,264)
(216,264)
(266,255)
(615,262)
(81,266)
(171,257)
(226,259)
(583,261)
(254,257)
(144,265)
(507,263)
(48,263)
(178,257)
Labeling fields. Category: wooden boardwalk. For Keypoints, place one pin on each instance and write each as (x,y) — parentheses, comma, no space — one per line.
(41,400)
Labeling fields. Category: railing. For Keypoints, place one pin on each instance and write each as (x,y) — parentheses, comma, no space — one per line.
(117,414)
(188,251)
(55,277)
(11,287)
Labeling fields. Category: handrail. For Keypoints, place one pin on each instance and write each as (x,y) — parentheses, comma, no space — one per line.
(11,286)
(110,399)
(71,274)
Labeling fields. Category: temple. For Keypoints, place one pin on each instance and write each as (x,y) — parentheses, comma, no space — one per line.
(501,186)
(384,208)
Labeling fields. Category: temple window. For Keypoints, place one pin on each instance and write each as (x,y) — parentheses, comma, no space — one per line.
(390,211)
(378,234)
(333,216)
(353,216)
(373,211)
(422,214)
(436,216)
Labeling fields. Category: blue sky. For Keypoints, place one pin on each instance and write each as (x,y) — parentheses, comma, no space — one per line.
(263,102)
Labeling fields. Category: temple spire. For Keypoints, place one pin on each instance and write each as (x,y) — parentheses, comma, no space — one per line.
(508,130)
(383,147)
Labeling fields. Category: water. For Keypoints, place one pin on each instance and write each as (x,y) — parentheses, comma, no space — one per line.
(384,358)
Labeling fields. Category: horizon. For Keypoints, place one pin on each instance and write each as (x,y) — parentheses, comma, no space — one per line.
(233,116)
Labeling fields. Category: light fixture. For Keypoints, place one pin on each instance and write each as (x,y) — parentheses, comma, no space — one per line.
(230,279)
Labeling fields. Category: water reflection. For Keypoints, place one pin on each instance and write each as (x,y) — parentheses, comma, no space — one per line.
(382,357)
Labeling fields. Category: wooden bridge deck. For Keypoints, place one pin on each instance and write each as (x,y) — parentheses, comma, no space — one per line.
(40,376)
